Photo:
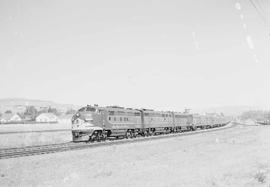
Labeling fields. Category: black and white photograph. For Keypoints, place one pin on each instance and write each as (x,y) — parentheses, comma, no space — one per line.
(135,93)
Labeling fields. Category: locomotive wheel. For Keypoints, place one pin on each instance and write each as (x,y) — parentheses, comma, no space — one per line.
(104,135)
(151,133)
(146,133)
(96,136)
(128,134)
(90,139)
(99,136)
(134,134)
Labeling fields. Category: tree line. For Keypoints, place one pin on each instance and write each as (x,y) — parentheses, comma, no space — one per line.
(256,115)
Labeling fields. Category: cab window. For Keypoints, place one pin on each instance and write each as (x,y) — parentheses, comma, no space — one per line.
(82,109)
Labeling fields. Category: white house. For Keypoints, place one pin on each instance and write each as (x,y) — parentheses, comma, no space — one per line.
(10,118)
(47,118)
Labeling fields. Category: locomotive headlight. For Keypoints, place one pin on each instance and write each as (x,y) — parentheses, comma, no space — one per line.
(77,121)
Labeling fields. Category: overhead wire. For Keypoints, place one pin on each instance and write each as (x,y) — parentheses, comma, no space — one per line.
(260,11)
(249,40)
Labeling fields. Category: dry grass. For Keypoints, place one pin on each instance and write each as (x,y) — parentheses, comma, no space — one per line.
(239,159)
(260,177)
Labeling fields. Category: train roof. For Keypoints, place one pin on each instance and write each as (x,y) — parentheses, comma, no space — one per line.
(115,106)
(120,108)
(156,111)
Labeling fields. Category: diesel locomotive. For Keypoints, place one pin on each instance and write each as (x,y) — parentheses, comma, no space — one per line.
(95,123)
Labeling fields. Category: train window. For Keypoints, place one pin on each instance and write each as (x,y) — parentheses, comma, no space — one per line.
(119,112)
(131,113)
(109,118)
(111,112)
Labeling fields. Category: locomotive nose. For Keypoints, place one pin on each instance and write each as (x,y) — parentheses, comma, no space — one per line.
(88,117)
(82,121)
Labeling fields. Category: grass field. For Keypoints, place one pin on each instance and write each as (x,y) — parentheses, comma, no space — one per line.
(236,157)
(20,135)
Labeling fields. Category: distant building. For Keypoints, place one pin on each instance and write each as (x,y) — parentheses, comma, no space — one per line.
(47,118)
(10,118)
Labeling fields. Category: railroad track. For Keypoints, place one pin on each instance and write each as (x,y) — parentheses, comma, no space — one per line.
(53,148)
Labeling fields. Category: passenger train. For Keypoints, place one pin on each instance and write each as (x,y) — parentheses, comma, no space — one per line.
(95,123)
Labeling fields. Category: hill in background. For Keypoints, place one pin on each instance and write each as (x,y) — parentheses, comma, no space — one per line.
(18,105)
(229,110)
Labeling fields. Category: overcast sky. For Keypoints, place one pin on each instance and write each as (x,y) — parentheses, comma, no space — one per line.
(154,54)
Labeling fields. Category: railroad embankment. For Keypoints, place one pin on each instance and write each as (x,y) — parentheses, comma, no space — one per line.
(232,157)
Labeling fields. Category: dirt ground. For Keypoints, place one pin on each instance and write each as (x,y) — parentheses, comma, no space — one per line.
(232,157)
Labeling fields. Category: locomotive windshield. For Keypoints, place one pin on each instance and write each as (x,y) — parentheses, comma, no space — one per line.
(87,109)
(82,109)
(90,109)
